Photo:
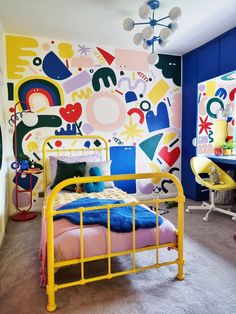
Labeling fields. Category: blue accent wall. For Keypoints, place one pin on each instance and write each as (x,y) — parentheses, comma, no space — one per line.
(212,59)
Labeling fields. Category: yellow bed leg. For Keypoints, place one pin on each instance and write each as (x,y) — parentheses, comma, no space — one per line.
(50,261)
(180,260)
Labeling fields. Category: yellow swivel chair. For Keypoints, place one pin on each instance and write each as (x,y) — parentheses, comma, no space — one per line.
(201,168)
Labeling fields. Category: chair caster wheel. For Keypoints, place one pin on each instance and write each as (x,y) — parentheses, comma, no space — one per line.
(233,218)
(205,219)
(187,211)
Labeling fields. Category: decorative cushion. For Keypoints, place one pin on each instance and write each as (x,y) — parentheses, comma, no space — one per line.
(105,167)
(69,159)
(68,170)
(96,186)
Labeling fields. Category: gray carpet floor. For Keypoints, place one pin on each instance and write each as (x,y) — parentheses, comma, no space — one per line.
(209,287)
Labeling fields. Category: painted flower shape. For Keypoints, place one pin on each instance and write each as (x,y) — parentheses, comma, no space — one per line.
(204,125)
(71,113)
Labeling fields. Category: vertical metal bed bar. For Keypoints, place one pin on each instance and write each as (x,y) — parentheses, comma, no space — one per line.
(82,246)
(109,240)
(134,239)
(157,232)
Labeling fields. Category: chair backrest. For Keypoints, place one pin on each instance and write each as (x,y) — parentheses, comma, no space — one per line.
(202,165)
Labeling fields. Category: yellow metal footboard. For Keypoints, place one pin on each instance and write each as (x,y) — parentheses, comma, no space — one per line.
(52,287)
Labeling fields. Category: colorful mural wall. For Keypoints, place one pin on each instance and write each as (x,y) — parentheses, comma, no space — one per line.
(76,88)
(216,112)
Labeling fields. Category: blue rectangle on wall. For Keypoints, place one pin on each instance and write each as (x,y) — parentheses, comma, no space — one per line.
(123,162)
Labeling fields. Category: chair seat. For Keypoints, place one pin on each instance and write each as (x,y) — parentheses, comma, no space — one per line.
(201,169)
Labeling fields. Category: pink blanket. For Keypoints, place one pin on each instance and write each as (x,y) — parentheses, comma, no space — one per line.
(67,241)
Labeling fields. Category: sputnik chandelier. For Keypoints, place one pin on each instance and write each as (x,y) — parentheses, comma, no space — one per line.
(147,37)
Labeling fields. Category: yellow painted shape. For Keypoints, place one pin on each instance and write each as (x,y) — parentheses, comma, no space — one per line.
(82,94)
(41,109)
(158,91)
(65,50)
(220,132)
(44,78)
(32,146)
(210,88)
(18,49)
(168,138)
(155,168)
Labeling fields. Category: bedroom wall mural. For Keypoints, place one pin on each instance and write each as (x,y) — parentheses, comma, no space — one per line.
(76,88)
(216,112)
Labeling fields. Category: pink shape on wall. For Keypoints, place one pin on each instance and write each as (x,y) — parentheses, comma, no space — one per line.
(176,113)
(131,60)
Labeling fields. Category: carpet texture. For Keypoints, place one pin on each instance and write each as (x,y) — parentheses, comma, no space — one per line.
(209,287)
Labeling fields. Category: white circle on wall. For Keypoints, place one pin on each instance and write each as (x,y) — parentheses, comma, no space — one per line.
(194,142)
(105,112)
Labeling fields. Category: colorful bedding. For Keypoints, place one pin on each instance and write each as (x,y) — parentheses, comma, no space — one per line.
(121,218)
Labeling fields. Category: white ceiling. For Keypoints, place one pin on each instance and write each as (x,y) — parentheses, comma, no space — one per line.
(100,21)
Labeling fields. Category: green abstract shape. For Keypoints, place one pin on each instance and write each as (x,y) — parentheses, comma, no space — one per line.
(149,145)
(103,74)
(49,121)
(171,67)
(210,102)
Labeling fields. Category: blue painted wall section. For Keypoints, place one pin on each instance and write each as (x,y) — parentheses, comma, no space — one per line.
(212,59)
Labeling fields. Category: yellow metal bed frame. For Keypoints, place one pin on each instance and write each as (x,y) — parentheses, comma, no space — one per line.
(49,213)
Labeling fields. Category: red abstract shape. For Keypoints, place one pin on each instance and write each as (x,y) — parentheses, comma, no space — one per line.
(58,143)
(232,94)
(169,157)
(106,55)
(139,112)
(204,125)
(71,113)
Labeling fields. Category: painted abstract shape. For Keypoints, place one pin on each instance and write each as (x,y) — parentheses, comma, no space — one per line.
(87,128)
(158,91)
(10,91)
(50,90)
(65,50)
(210,88)
(164,182)
(176,111)
(124,162)
(168,138)
(229,76)
(156,169)
(132,130)
(71,113)
(103,74)
(18,49)
(137,111)
(32,146)
(171,67)
(82,94)
(145,188)
(105,112)
(211,101)
(131,60)
(54,68)
(169,156)
(82,61)
(130,97)
(133,85)
(24,181)
(221,92)
(145,105)
(204,125)
(106,55)
(76,82)
(149,145)
(50,121)
(232,94)
(69,130)
(160,120)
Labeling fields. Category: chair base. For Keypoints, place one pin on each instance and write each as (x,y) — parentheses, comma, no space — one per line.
(211,208)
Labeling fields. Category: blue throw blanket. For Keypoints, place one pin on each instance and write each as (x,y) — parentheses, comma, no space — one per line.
(120,218)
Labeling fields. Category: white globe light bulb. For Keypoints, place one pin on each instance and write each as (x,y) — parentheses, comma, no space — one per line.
(138,38)
(173,26)
(148,32)
(165,34)
(144,11)
(128,24)
(163,43)
(175,13)
(30,118)
(153,58)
